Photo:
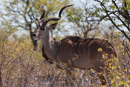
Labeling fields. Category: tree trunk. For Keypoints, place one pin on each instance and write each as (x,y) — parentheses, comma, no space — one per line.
(33,41)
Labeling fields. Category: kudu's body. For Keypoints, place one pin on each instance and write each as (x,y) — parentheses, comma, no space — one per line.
(74,52)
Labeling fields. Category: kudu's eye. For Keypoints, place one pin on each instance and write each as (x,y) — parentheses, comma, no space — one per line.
(33,34)
(42,29)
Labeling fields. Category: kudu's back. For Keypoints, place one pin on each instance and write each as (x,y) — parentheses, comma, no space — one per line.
(84,53)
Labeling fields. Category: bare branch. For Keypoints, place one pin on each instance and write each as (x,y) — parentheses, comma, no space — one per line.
(108,15)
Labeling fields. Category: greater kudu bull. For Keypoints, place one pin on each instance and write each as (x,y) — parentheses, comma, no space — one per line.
(73,51)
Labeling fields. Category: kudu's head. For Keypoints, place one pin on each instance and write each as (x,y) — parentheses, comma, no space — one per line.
(42,30)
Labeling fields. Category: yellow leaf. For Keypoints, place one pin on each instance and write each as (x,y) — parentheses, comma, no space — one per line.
(99,49)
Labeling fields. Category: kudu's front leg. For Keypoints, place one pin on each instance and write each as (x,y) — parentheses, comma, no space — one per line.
(70,76)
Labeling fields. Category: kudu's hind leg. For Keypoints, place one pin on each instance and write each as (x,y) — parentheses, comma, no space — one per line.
(100,72)
(102,78)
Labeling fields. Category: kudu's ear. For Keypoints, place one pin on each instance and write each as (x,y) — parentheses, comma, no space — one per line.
(52,26)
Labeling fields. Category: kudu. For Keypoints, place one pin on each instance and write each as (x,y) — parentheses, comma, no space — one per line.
(72,51)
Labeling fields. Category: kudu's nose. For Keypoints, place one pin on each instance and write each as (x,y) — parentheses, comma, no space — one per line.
(34,36)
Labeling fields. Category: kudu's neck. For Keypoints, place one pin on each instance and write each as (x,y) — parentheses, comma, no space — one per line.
(51,46)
